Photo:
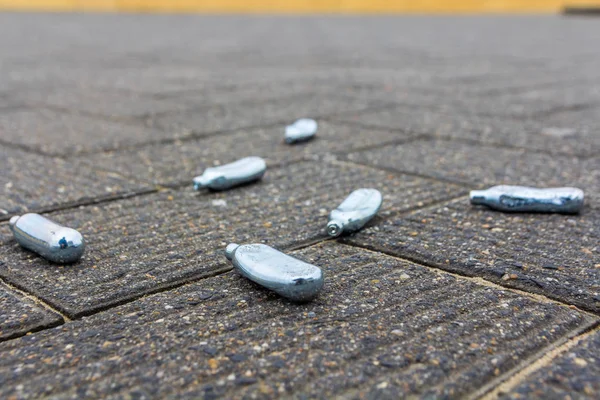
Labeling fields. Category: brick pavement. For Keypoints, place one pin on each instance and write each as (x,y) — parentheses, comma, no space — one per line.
(105,119)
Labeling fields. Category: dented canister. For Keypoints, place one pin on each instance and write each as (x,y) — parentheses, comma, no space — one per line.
(354,212)
(528,199)
(233,174)
(300,131)
(283,274)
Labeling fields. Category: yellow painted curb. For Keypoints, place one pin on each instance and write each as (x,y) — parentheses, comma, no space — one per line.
(298,6)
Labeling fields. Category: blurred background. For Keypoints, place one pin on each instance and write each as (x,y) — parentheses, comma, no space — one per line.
(305,6)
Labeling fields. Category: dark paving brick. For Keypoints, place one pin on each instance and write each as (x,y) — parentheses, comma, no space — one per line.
(251,114)
(574,375)
(168,163)
(476,164)
(382,327)
(64,134)
(19,315)
(569,132)
(140,244)
(555,255)
(31,182)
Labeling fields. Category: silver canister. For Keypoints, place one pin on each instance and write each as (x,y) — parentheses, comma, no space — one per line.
(229,175)
(50,240)
(302,130)
(285,275)
(354,212)
(527,199)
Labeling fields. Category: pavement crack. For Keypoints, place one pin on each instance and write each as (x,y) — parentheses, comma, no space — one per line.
(156,289)
(506,146)
(40,303)
(198,135)
(27,149)
(461,275)
(86,202)
(511,379)
(409,173)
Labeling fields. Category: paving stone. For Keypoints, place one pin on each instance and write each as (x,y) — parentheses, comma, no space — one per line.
(138,245)
(34,182)
(179,161)
(554,255)
(569,132)
(19,315)
(59,133)
(573,375)
(246,115)
(478,165)
(382,327)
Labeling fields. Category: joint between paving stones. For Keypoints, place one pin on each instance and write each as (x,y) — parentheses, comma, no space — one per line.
(560,109)
(514,376)
(474,278)
(359,124)
(511,379)
(429,136)
(27,149)
(155,290)
(409,173)
(536,86)
(39,302)
(199,135)
(392,142)
(87,202)
(498,145)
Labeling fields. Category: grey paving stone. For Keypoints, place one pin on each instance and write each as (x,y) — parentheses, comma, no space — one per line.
(382,327)
(478,165)
(554,255)
(573,375)
(139,245)
(569,132)
(35,182)
(19,315)
(249,114)
(179,161)
(58,133)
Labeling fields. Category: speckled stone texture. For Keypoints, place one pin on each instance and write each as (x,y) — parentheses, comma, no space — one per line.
(182,160)
(19,315)
(124,104)
(60,133)
(531,103)
(551,254)
(571,132)
(145,243)
(573,375)
(256,113)
(477,164)
(105,119)
(382,327)
(32,182)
